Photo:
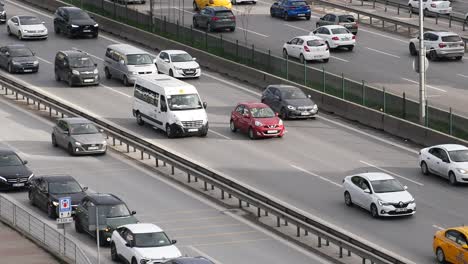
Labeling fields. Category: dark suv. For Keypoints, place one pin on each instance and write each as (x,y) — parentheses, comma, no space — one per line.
(215,18)
(109,207)
(18,58)
(13,171)
(74,22)
(3,17)
(76,68)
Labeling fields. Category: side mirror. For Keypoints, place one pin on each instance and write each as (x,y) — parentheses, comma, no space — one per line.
(95,64)
(174,241)
(128,245)
(405,187)
(101,130)
(122,62)
(166,60)
(367,191)
(25,162)
(205,105)
(16,24)
(246,115)
(194,59)
(43,22)
(85,188)
(465,247)
(314,32)
(308,96)
(289,42)
(276,114)
(33,53)
(133,212)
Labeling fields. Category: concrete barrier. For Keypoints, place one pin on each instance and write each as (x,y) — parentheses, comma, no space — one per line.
(370,117)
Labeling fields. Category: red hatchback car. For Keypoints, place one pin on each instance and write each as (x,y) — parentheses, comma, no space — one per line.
(256,119)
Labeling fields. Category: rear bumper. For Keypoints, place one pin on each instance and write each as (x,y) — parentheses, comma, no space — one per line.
(299,13)
(223,25)
(451,54)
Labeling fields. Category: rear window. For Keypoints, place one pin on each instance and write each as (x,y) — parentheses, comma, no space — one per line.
(347,18)
(298,3)
(226,13)
(451,39)
(315,43)
(337,31)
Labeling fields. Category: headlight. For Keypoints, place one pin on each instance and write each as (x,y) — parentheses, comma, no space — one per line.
(55,203)
(258,123)
(75,72)
(315,107)
(178,122)
(290,107)
(133,73)
(77,143)
(381,203)
(96,71)
(16,63)
(36,63)
(197,68)
(280,122)
(177,68)
(104,143)
(74,26)
(2,179)
(107,229)
(96,25)
(462,171)
(412,201)
(30,176)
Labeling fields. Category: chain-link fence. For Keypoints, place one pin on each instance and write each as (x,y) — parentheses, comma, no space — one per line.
(40,232)
(247,54)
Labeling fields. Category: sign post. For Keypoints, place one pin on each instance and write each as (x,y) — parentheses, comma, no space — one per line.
(65,211)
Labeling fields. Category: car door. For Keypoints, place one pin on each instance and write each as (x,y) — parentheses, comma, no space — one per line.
(332,20)
(127,252)
(119,240)
(244,122)
(461,254)
(65,70)
(163,108)
(450,246)
(299,47)
(366,197)
(3,57)
(83,215)
(276,102)
(291,47)
(322,21)
(14,25)
(237,115)
(267,96)
(62,137)
(164,62)
(444,166)
(355,190)
(41,195)
(434,160)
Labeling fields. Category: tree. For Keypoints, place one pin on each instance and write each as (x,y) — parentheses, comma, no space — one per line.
(243,13)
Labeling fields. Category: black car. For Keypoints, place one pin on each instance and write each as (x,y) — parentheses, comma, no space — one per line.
(189,260)
(215,18)
(73,22)
(76,68)
(114,210)
(18,58)
(3,17)
(289,101)
(14,173)
(45,191)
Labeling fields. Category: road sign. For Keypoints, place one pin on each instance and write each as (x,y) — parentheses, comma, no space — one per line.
(65,207)
(65,220)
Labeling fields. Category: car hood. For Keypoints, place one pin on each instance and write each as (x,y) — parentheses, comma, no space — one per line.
(34,27)
(83,22)
(75,197)
(24,59)
(190,115)
(120,221)
(97,138)
(15,171)
(461,165)
(268,121)
(186,64)
(395,197)
(299,102)
(157,253)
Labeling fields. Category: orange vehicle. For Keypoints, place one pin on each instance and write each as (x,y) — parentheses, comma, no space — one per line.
(200,4)
(450,245)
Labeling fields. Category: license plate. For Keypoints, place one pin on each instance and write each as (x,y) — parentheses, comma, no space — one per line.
(301,15)
(88,80)
(318,56)
(272,131)
(400,209)
(190,71)
(344,38)
(18,184)
(193,130)
(27,70)
(453,45)
(93,148)
(305,113)
(87,30)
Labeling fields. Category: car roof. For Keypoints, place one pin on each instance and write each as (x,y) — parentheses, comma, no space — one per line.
(451,147)
(174,51)
(104,199)
(57,178)
(126,49)
(219,8)
(443,33)
(283,86)
(143,228)
(254,104)
(376,176)
(333,26)
(71,8)
(75,120)
(4,151)
(309,37)
(74,53)
(192,260)
(25,16)
(463,229)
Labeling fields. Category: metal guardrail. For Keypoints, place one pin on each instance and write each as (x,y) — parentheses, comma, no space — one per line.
(196,172)
(34,228)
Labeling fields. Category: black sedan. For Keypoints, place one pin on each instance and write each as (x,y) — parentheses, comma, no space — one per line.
(45,191)
(14,173)
(289,101)
(18,58)
(74,22)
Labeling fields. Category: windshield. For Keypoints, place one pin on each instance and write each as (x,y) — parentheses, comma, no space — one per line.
(79,15)
(9,160)
(21,52)
(385,186)
(116,210)
(80,129)
(157,239)
(298,3)
(451,39)
(139,59)
(81,62)
(459,155)
(293,94)
(184,102)
(29,20)
(315,43)
(262,112)
(338,31)
(64,187)
(181,57)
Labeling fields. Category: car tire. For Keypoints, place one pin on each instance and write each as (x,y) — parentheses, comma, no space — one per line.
(107,73)
(139,119)
(302,59)
(412,50)
(233,29)
(328,45)
(20,36)
(452,179)
(169,132)
(432,56)
(440,256)
(307,17)
(283,114)
(459,58)
(70,82)
(204,133)
(134,261)
(125,81)
(285,54)
(350,48)
(326,60)
(70,149)
(347,199)
(232,126)
(285,16)
(114,254)
(57,77)
(78,227)
(54,141)
(10,68)
(424,168)
(8,30)
(171,73)
(271,13)
(31,198)
(51,212)
(251,133)
(374,211)
(195,24)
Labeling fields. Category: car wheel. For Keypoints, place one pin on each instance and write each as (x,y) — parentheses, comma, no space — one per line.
(424,168)
(232,126)
(271,13)
(328,44)
(432,55)
(458,57)
(57,30)
(31,198)
(251,133)
(204,133)
(125,81)
(195,7)
(285,53)
(10,68)
(283,114)
(107,73)
(440,255)
(412,50)
(307,17)
(139,119)
(233,29)
(70,81)
(134,261)
(347,199)
(54,141)
(113,250)
(452,178)
(171,73)
(195,24)
(302,59)
(286,16)
(169,132)
(374,211)
(20,36)
(70,149)
(78,227)
(57,77)
(51,211)
(8,30)
(326,60)
(350,48)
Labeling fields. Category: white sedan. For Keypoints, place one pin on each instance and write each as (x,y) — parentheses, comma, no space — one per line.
(307,48)
(379,193)
(442,7)
(336,36)
(177,63)
(26,27)
(449,161)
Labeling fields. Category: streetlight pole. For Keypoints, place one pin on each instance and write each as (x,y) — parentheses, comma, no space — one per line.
(422,67)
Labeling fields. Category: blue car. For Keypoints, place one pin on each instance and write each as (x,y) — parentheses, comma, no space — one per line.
(288,9)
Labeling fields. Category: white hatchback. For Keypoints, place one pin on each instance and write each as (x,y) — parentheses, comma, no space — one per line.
(379,193)
(307,48)
(442,7)
(449,161)
(26,27)
(336,36)
(142,243)
(178,64)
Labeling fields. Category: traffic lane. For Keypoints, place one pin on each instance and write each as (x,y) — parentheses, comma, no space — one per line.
(185,217)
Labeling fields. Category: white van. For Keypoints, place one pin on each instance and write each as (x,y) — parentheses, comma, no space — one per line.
(169,104)
(126,63)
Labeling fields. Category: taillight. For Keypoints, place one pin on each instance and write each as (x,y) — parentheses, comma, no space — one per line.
(462,45)
(214,18)
(354,37)
(292,7)
(306,49)
(335,38)
(442,45)
(233,18)
(433,5)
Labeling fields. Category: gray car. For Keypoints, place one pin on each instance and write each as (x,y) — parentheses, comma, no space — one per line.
(347,21)
(215,18)
(79,136)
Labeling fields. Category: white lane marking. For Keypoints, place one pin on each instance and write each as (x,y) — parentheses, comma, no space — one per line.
(44,60)
(315,175)
(337,58)
(394,174)
(461,75)
(183,10)
(204,254)
(30,9)
(383,35)
(385,53)
(219,134)
(438,227)
(253,32)
(291,26)
(428,86)
(115,91)
(232,84)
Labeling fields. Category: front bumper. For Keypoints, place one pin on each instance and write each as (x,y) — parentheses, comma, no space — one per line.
(14,183)
(84,31)
(189,131)
(3,19)
(85,79)
(461,178)
(390,210)
(90,149)
(302,114)
(24,68)
(186,73)
(264,132)
(34,36)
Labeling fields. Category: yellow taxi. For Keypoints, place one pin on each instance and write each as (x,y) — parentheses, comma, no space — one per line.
(200,4)
(450,245)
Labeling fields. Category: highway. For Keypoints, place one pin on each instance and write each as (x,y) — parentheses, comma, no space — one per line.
(200,226)
(304,169)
